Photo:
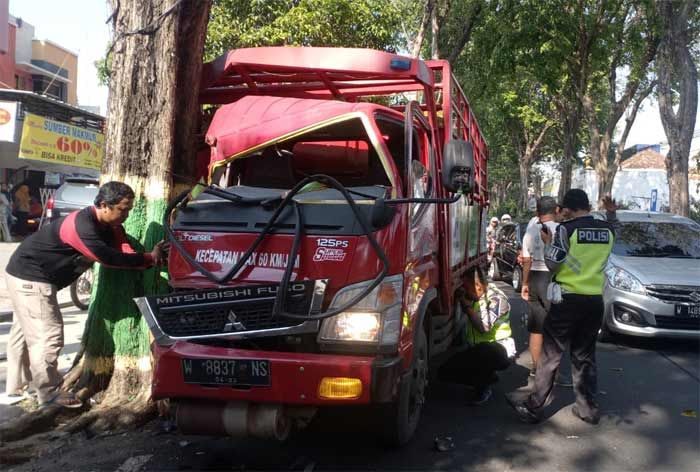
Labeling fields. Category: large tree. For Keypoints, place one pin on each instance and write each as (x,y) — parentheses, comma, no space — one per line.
(153,119)
(626,39)
(678,86)
(374,24)
(156,62)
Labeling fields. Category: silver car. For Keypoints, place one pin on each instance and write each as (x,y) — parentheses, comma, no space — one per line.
(653,277)
(75,194)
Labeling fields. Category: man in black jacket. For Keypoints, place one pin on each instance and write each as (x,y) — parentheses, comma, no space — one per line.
(50,260)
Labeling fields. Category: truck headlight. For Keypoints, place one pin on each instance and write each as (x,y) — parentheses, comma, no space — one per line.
(375,320)
(622,280)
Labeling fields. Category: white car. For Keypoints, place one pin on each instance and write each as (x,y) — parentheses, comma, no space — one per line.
(653,277)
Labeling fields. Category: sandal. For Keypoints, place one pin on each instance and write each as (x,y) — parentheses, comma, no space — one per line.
(65,400)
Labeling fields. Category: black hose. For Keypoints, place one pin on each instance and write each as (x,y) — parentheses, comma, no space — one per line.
(280,299)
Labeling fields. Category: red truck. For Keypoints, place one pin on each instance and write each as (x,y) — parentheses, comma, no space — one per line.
(346,198)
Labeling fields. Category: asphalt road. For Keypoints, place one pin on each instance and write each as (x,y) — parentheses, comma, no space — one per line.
(645,388)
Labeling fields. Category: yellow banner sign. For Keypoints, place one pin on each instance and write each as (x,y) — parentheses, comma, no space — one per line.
(60,143)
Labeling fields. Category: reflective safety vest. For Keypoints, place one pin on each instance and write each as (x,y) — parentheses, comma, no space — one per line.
(500,327)
(590,243)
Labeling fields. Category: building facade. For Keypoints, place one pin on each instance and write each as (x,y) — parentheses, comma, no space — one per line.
(37,65)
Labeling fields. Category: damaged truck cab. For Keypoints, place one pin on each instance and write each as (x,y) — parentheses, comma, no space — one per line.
(346,199)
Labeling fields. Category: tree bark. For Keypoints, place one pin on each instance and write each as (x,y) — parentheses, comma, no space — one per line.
(153,119)
(465,37)
(417,44)
(434,29)
(524,165)
(675,59)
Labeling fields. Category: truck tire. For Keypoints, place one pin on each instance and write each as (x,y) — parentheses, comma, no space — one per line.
(494,274)
(517,280)
(402,416)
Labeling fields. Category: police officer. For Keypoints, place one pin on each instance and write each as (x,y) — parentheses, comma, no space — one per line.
(576,254)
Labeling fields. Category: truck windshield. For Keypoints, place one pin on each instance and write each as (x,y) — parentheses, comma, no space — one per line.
(341,150)
(651,239)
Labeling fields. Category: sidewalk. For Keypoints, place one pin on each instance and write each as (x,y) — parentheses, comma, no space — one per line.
(73,321)
(6,250)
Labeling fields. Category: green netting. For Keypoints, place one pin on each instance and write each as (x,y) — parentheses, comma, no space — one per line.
(114,325)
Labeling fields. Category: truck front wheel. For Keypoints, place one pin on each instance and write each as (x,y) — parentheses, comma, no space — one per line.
(401,417)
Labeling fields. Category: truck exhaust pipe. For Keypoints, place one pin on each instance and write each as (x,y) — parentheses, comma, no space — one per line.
(267,421)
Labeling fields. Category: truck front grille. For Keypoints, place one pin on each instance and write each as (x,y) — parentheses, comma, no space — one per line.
(251,315)
(229,311)
(674,294)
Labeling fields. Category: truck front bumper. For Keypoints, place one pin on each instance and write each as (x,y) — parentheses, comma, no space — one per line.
(294,377)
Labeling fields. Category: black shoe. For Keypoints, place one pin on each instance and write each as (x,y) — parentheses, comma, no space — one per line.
(523,412)
(481,396)
(588,419)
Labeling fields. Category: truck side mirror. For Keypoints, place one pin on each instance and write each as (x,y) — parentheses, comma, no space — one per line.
(458,166)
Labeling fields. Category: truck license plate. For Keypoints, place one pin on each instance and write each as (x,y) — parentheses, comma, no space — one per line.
(238,372)
(688,311)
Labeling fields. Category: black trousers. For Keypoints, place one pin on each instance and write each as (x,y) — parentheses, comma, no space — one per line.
(572,324)
(475,365)
(538,303)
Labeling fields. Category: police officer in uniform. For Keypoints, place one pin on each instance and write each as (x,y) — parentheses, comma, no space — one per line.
(576,254)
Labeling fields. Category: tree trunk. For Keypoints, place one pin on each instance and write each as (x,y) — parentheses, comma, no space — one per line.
(417,44)
(569,111)
(153,118)
(567,166)
(524,167)
(434,29)
(675,60)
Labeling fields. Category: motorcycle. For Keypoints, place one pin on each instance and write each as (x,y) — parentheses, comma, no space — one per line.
(81,289)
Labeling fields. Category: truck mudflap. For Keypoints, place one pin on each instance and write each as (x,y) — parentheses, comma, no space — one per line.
(287,377)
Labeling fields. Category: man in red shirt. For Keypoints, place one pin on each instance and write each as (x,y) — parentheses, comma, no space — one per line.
(50,260)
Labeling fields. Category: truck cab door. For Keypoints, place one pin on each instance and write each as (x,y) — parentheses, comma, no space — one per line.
(420,183)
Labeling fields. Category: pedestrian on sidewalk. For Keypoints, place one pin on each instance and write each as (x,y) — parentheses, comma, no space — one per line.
(536,278)
(576,254)
(5,215)
(50,260)
(488,336)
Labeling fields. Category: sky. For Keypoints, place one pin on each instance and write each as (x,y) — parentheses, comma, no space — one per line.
(80,25)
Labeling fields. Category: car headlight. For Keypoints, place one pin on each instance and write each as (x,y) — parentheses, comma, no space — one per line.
(376,319)
(621,279)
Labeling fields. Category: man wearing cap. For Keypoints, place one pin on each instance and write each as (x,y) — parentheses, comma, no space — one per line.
(576,255)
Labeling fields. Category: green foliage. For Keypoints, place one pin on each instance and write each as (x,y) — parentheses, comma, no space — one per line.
(372,24)
(104,67)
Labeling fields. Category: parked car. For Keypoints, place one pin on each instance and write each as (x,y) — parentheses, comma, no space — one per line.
(653,277)
(74,194)
(505,263)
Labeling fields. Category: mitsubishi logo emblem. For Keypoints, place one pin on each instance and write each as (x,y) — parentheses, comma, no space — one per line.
(233,323)
(695,296)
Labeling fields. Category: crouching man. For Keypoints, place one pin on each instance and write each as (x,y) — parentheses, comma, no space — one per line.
(488,335)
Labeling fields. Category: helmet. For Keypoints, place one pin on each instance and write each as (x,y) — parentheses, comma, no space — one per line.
(494,219)
(505,218)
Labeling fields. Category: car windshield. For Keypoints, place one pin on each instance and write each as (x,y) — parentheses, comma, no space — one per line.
(648,239)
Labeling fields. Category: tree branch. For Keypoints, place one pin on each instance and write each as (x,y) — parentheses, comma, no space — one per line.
(466,33)
(420,37)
